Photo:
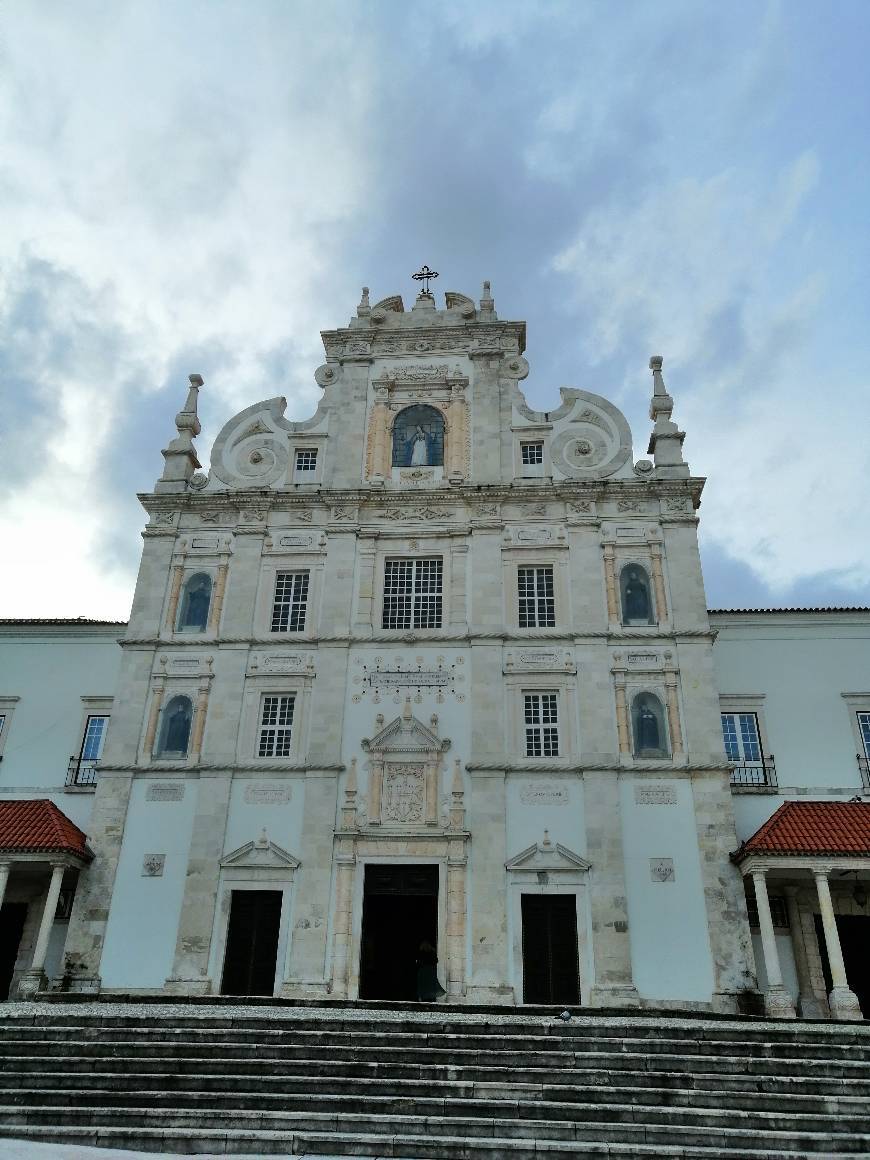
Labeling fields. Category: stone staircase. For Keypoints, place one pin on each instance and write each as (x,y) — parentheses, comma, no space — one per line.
(452,1083)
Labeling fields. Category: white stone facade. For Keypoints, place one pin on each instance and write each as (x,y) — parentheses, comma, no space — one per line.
(411,574)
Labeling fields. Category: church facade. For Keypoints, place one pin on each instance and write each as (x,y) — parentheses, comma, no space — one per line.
(430,667)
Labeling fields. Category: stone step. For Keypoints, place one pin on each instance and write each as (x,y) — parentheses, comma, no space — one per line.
(363,1062)
(90,1040)
(698,1084)
(264,1143)
(628,1110)
(69,1089)
(192,1122)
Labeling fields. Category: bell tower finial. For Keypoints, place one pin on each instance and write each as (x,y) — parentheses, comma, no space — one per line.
(666,440)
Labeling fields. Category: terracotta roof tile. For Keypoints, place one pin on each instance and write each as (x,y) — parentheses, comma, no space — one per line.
(835,829)
(34,827)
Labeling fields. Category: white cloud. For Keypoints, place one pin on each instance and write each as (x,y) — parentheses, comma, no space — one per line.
(188,175)
(720,276)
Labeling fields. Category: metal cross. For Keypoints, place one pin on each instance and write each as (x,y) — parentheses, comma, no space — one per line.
(424,274)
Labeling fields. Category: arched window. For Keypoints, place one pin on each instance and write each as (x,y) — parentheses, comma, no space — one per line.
(648,726)
(195,604)
(634,591)
(175,728)
(418,438)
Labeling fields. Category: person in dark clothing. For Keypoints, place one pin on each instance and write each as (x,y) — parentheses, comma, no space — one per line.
(428,987)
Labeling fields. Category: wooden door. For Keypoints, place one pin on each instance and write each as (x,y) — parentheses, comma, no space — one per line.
(252,943)
(551,969)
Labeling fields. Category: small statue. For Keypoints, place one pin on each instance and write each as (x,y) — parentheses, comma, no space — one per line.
(419,448)
(647,729)
(636,597)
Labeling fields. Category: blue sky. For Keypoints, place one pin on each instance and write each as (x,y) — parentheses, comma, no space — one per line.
(204,186)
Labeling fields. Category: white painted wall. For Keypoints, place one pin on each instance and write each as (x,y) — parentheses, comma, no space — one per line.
(670,949)
(143,921)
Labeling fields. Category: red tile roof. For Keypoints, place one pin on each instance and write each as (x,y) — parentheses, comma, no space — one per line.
(836,829)
(34,827)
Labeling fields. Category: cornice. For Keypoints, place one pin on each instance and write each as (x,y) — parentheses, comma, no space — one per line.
(177,769)
(399,639)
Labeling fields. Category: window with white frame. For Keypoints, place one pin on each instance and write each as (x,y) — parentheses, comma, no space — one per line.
(532,454)
(291,601)
(412,593)
(741,736)
(306,460)
(542,724)
(864,731)
(537,605)
(94,737)
(276,725)
(7,708)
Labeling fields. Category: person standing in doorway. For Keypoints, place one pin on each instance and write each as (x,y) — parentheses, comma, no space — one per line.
(428,987)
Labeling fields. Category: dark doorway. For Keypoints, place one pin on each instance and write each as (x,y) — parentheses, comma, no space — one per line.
(400,910)
(854,932)
(252,943)
(12,916)
(551,969)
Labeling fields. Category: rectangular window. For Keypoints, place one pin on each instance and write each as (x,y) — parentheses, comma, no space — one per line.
(291,601)
(95,735)
(740,733)
(306,459)
(864,730)
(412,593)
(537,608)
(532,454)
(276,725)
(542,724)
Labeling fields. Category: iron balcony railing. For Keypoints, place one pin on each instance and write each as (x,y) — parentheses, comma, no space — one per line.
(82,771)
(863,770)
(759,775)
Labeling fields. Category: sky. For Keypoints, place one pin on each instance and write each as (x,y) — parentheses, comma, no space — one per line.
(190,186)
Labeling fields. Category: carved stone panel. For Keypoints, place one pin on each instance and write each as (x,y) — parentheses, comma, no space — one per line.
(404,793)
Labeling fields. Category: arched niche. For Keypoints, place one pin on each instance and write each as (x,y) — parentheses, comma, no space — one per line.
(195,603)
(635,593)
(175,727)
(418,437)
(649,727)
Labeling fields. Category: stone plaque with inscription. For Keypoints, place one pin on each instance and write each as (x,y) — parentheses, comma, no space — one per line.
(655,795)
(165,791)
(544,795)
(264,793)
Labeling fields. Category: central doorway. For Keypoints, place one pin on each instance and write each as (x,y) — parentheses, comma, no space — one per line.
(551,967)
(400,910)
(252,943)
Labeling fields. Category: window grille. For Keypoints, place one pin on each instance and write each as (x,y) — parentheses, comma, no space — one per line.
(778,911)
(291,602)
(276,725)
(741,736)
(542,724)
(532,454)
(537,607)
(412,593)
(306,459)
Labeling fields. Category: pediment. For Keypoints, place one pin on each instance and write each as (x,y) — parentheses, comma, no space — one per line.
(550,856)
(263,854)
(406,734)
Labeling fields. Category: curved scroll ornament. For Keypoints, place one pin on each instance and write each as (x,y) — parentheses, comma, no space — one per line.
(597,441)
(249,452)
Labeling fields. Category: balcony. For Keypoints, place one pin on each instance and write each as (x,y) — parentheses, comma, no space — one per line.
(81,773)
(754,776)
(863,770)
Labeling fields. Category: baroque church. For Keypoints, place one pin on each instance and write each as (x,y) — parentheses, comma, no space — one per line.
(431,673)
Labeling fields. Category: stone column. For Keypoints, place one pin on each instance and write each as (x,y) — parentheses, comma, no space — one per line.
(365,612)
(458,613)
(5,867)
(456,870)
(217,602)
(809,1006)
(376,785)
(153,716)
(432,778)
(198,727)
(623,731)
(613,616)
(193,942)
(777,1000)
(34,980)
(673,710)
(843,1000)
(345,863)
(174,593)
(612,982)
(658,580)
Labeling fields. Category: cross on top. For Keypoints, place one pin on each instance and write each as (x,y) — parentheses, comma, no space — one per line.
(424,274)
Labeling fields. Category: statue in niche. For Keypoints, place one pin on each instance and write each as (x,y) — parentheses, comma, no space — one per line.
(176,726)
(197,598)
(647,729)
(419,448)
(418,437)
(635,596)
